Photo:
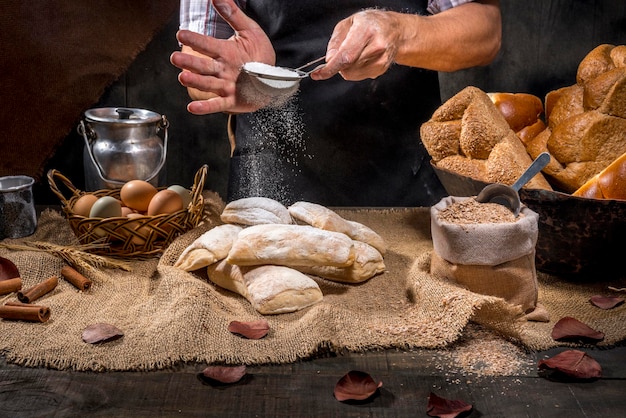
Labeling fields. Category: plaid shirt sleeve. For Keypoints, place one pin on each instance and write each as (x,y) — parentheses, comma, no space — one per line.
(438,6)
(200,16)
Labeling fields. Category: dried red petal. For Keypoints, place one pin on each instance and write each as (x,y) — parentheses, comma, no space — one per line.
(445,408)
(356,385)
(253,330)
(606,302)
(225,374)
(99,333)
(8,270)
(573,363)
(568,328)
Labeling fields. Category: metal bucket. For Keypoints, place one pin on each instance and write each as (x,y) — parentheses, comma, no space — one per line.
(18,217)
(122,144)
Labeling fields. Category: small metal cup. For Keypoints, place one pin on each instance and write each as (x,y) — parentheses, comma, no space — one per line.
(18,217)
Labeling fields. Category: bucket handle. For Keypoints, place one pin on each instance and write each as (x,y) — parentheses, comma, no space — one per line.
(89,136)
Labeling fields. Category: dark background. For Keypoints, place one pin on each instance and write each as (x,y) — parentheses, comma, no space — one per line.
(543,42)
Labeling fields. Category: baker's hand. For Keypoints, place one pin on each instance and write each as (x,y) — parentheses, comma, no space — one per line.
(211,67)
(362,46)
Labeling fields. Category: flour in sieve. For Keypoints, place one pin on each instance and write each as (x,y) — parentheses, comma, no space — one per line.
(264,92)
(262,68)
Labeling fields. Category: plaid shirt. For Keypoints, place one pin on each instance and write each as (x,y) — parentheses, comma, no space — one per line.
(199,15)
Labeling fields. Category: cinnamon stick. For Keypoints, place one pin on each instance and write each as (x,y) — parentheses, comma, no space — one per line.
(10,285)
(74,277)
(24,312)
(38,290)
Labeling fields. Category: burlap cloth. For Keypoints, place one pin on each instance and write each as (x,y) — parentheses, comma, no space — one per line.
(169,316)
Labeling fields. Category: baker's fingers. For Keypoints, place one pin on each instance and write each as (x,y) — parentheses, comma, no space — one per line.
(207,83)
(202,44)
(196,64)
(217,104)
(344,48)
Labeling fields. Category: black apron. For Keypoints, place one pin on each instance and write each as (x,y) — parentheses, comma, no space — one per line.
(336,142)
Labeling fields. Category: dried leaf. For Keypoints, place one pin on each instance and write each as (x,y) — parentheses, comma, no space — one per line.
(225,374)
(568,329)
(445,408)
(356,385)
(253,330)
(606,302)
(8,270)
(101,332)
(573,363)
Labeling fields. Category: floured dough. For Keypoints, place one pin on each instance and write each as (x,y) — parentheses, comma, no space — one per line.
(208,248)
(256,211)
(324,218)
(270,289)
(367,264)
(290,245)
(279,289)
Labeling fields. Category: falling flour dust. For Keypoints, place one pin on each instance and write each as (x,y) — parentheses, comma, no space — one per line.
(277,131)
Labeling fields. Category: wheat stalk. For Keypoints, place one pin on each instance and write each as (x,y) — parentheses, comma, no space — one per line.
(76,255)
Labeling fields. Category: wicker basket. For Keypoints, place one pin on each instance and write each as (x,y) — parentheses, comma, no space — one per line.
(139,237)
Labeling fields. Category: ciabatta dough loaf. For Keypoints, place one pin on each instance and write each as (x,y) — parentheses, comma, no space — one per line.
(610,183)
(364,233)
(228,277)
(291,245)
(269,289)
(279,289)
(319,216)
(368,263)
(208,248)
(256,211)
(484,148)
(322,217)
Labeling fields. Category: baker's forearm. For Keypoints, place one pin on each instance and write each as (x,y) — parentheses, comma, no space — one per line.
(462,37)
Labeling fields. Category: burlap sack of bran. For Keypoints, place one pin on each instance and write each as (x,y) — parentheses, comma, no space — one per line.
(491,258)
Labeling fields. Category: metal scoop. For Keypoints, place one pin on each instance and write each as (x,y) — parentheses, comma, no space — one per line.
(508,195)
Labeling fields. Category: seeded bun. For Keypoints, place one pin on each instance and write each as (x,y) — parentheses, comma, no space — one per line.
(586,122)
(470,136)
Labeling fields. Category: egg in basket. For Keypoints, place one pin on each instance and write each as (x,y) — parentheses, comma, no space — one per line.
(137,220)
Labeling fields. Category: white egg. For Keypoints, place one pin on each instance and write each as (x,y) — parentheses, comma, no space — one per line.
(184,193)
(106,207)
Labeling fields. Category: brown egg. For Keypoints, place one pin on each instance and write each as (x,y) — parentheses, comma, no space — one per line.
(136,194)
(128,211)
(83,205)
(165,201)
